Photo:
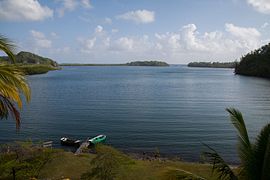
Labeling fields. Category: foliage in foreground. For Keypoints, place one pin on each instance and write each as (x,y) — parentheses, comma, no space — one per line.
(255,157)
(110,163)
(31,161)
(107,164)
(12,84)
(23,160)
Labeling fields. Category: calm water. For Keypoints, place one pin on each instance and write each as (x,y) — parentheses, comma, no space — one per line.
(140,108)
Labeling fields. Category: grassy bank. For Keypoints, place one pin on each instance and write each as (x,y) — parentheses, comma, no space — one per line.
(106,163)
(31,69)
(66,164)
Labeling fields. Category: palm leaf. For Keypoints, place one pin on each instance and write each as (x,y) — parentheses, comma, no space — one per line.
(8,47)
(12,84)
(245,151)
(238,122)
(6,107)
(262,154)
(220,167)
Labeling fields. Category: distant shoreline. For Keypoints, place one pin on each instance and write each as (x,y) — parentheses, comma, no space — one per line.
(230,65)
(134,63)
(77,64)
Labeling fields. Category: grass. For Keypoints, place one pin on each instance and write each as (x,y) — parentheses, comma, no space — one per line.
(67,165)
(107,163)
(31,69)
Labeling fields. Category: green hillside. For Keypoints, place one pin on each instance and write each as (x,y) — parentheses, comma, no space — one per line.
(31,63)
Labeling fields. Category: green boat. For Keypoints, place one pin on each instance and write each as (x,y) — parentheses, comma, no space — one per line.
(97,139)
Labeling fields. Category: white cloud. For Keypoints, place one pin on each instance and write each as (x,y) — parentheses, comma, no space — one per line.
(186,44)
(67,5)
(189,37)
(86,3)
(87,44)
(90,43)
(139,16)
(99,29)
(168,41)
(71,5)
(248,37)
(134,45)
(40,40)
(99,40)
(262,6)
(124,43)
(265,25)
(242,32)
(27,10)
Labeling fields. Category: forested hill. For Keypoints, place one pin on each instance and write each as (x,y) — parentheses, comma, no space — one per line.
(31,63)
(255,63)
(30,58)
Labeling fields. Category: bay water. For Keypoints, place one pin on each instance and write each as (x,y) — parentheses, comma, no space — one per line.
(175,109)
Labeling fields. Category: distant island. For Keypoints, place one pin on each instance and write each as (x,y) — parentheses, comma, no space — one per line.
(213,64)
(255,63)
(31,63)
(133,63)
(147,63)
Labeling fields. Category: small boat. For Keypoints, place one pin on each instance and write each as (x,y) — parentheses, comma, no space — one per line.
(98,139)
(69,142)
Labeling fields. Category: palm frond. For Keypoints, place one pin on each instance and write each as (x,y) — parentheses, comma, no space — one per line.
(238,122)
(12,83)
(220,167)
(6,108)
(245,151)
(262,154)
(8,47)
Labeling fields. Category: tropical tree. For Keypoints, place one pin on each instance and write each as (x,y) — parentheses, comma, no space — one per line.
(12,84)
(254,157)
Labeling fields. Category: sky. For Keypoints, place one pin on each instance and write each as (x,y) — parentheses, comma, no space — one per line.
(119,31)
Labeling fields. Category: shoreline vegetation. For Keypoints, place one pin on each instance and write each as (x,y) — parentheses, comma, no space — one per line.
(27,160)
(213,64)
(256,63)
(133,63)
(33,69)
(31,64)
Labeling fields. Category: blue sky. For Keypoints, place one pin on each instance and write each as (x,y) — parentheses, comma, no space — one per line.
(117,31)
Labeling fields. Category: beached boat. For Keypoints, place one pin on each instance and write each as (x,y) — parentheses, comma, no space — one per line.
(69,142)
(97,139)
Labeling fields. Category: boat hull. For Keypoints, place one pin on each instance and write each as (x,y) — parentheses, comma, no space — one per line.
(70,142)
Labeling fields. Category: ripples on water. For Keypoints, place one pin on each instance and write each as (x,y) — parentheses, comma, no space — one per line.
(173,108)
